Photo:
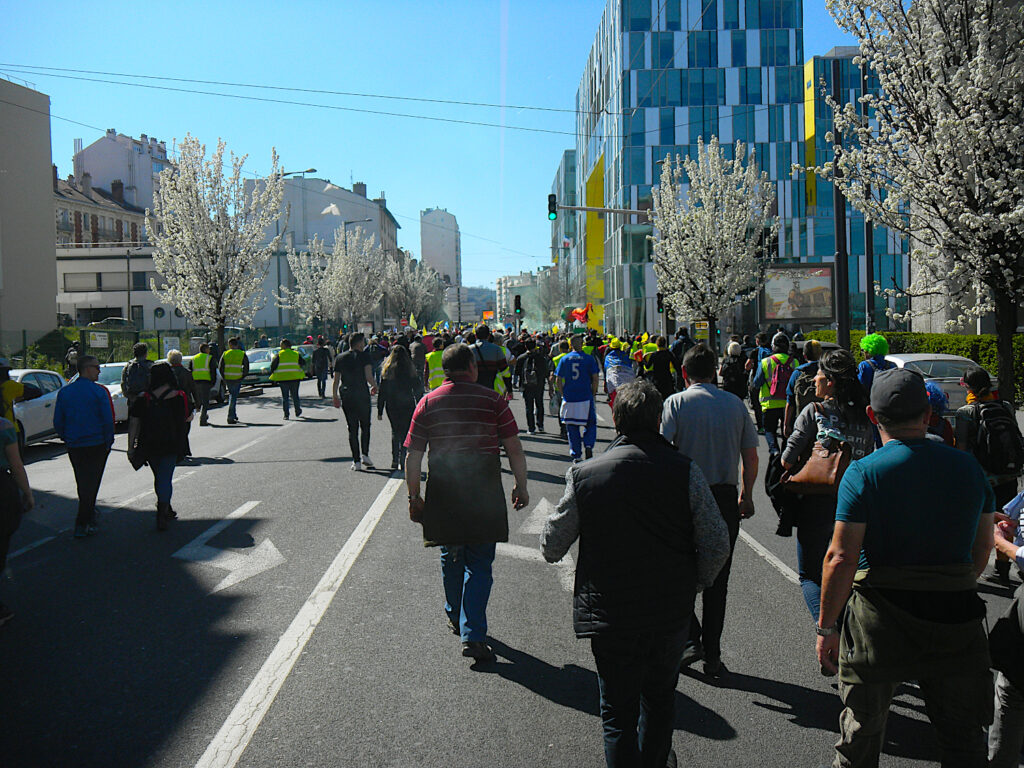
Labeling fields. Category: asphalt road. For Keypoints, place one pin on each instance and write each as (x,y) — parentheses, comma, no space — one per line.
(292,617)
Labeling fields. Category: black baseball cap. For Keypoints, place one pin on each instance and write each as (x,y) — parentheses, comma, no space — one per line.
(899,395)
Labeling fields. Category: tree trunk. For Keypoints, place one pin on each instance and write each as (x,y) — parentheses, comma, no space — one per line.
(712,333)
(220,340)
(1006,326)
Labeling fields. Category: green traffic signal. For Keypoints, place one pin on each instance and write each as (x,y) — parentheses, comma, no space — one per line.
(552,207)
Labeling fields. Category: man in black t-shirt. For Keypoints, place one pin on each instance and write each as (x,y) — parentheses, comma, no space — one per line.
(353,376)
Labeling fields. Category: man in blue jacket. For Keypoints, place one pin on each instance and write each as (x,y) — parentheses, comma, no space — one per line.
(84,419)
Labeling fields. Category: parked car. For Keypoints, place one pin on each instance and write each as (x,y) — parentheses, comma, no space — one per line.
(946,370)
(35,417)
(113,322)
(219,390)
(110,377)
(259,365)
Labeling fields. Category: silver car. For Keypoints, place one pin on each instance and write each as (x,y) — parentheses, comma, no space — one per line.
(35,417)
(945,370)
(219,390)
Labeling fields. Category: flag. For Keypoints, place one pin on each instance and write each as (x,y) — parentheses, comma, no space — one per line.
(445,325)
(412,320)
(554,328)
(643,339)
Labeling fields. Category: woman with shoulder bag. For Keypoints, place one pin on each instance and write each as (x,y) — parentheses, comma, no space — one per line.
(398,393)
(162,413)
(826,428)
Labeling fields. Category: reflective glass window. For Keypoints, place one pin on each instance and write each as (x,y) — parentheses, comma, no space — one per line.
(731,14)
(702,49)
(750,85)
(638,15)
(667,126)
(673,16)
(739,48)
(636,50)
(709,14)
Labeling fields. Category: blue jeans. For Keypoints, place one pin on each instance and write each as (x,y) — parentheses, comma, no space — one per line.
(290,390)
(163,474)
(466,573)
(589,434)
(637,674)
(233,389)
(813,535)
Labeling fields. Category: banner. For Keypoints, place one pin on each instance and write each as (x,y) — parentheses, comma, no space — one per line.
(798,292)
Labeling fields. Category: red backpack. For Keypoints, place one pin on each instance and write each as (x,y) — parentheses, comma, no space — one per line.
(781,375)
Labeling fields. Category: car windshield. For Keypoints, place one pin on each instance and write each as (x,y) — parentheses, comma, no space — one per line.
(259,355)
(111,374)
(943,369)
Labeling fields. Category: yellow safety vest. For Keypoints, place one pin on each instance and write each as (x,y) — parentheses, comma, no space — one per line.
(201,367)
(288,368)
(500,385)
(435,377)
(233,364)
(768,365)
(648,348)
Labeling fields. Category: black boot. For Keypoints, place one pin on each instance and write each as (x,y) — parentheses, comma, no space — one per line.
(163,515)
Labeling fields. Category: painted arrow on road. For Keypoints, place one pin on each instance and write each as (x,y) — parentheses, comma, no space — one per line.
(535,522)
(239,566)
(566,566)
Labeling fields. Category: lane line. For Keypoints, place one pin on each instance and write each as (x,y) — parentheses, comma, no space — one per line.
(760,549)
(33,545)
(260,439)
(237,731)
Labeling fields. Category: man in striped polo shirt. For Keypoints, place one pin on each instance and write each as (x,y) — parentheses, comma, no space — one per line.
(464,512)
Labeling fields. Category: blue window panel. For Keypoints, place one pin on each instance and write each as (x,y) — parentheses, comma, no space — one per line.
(743,124)
(637,58)
(739,48)
(665,50)
(671,92)
(636,159)
(696,89)
(702,49)
(776,123)
(750,85)
(637,128)
(667,126)
(731,14)
(637,15)
(644,83)
(709,14)
(788,13)
(799,46)
(710,78)
(784,159)
(824,237)
(673,16)
(752,13)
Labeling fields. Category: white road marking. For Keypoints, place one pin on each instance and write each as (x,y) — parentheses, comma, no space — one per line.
(599,416)
(566,566)
(535,522)
(780,566)
(237,731)
(240,566)
(33,545)
(259,439)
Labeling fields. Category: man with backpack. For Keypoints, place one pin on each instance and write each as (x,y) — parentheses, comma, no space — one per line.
(987,428)
(875,347)
(135,375)
(800,392)
(755,355)
(770,381)
(532,368)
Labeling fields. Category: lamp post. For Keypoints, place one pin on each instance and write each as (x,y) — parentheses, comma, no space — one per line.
(128,275)
(277,233)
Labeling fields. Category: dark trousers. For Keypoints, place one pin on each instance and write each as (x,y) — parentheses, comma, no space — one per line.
(357,415)
(400,419)
(713,597)
(814,526)
(755,404)
(534,397)
(321,382)
(637,674)
(88,463)
(10,514)
(290,392)
(203,395)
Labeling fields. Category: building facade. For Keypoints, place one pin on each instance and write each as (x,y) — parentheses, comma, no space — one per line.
(507,288)
(659,76)
(571,272)
(27,231)
(441,249)
(136,163)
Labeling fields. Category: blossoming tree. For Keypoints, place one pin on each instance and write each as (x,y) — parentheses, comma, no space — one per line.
(209,236)
(709,239)
(414,288)
(943,151)
(358,278)
(315,295)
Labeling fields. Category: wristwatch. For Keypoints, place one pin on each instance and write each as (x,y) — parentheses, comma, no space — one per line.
(825,631)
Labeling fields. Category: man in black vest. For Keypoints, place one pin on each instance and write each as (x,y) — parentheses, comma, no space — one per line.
(638,571)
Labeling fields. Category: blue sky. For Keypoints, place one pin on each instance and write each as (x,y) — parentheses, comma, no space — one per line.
(494,180)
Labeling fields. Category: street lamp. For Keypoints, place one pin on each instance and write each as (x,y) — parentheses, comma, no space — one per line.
(128,274)
(277,233)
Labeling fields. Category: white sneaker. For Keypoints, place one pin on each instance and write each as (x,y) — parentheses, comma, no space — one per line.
(367,462)
(356,466)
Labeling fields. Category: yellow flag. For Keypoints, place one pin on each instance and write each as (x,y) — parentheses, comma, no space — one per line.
(554,328)
(644,338)
(412,321)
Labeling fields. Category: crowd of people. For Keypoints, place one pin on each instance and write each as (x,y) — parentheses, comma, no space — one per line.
(861,461)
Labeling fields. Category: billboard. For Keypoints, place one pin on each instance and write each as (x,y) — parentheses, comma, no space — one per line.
(798,292)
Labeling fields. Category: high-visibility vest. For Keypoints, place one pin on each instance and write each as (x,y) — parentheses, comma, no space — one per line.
(201,367)
(233,364)
(588,349)
(500,384)
(288,368)
(435,376)
(648,348)
(768,365)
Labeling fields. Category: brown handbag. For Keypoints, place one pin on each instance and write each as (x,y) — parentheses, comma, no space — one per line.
(821,473)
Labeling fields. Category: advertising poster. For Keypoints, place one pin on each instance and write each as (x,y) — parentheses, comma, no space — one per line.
(798,292)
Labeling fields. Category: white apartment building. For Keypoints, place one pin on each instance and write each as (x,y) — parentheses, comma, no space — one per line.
(134,162)
(441,249)
(507,288)
(26,217)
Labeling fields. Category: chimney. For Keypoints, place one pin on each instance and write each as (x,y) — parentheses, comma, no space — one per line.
(117,190)
(55,178)
(86,183)
(359,188)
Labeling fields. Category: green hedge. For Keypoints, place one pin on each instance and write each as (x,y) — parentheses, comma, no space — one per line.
(981,349)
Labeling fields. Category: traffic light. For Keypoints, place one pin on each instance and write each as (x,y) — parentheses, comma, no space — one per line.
(661,303)
(519,304)
(552,207)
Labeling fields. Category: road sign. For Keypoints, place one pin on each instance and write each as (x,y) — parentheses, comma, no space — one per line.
(239,566)
(98,339)
(171,342)
(700,329)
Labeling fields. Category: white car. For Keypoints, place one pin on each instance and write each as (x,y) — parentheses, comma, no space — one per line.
(944,370)
(219,390)
(110,377)
(35,417)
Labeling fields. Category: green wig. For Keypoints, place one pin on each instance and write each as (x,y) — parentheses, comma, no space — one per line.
(875,344)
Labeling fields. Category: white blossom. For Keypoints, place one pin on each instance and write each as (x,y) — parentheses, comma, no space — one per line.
(709,241)
(208,236)
(943,152)
(314,296)
(358,278)
(414,288)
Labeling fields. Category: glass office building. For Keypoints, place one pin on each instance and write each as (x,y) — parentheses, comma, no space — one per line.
(660,75)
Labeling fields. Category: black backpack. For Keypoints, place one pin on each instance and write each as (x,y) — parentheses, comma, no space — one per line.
(999,447)
(734,377)
(804,391)
(531,376)
(136,378)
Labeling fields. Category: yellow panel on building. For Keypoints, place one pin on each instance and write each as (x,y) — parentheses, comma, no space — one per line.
(595,245)
(810,91)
